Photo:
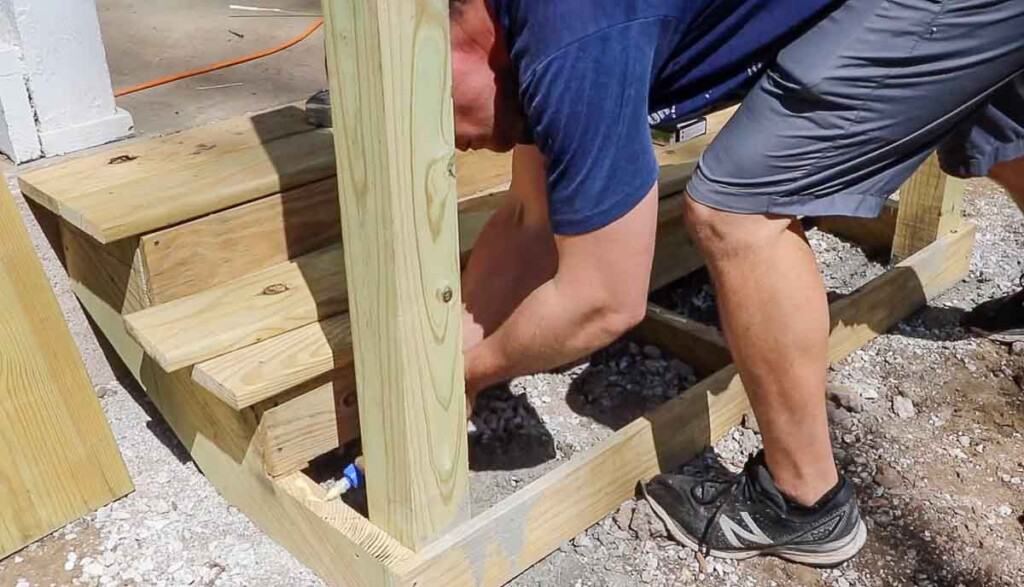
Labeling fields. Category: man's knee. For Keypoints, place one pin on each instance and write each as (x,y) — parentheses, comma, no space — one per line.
(721,234)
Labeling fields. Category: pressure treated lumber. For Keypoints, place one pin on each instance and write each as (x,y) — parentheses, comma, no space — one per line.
(390,80)
(699,345)
(311,423)
(499,544)
(207,252)
(58,182)
(331,538)
(113,271)
(245,311)
(874,235)
(215,249)
(930,206)
(260,371)
(58,460)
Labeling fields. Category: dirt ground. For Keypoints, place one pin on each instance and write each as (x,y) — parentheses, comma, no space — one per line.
(927,420)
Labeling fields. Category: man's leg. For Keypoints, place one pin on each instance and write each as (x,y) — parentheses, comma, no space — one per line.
(836,125)
(1010,175)
(1002,319)
(774,312)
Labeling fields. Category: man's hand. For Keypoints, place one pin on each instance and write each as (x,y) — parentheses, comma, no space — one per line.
(597,293)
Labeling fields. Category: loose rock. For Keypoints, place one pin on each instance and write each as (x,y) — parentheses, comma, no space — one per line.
(903,407)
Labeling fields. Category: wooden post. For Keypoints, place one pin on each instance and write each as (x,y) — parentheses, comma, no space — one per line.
(390,71)
(930,206)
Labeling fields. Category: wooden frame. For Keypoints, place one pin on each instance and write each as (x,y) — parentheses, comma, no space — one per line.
(399,344)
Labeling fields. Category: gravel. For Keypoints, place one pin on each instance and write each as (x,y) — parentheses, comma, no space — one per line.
(941,491)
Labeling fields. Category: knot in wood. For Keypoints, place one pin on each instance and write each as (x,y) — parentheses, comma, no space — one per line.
(273,290)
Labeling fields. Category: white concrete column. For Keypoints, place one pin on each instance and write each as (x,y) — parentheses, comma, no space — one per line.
(65,95)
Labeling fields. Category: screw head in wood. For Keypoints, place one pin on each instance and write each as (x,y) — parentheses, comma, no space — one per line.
(446,294)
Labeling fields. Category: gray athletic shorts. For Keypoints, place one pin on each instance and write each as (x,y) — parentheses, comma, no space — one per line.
(853,107)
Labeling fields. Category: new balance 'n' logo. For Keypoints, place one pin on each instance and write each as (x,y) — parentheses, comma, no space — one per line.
(751,533)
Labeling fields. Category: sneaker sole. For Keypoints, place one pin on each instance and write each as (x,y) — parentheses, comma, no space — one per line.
(1008,337)
(829,554)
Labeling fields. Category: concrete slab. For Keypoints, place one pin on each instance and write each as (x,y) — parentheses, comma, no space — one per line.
(146,40)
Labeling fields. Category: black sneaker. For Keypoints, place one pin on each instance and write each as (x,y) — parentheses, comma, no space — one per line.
(1001,319)
(318,109)
(741,516)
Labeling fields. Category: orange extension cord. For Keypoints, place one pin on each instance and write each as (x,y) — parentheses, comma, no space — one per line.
(221,64)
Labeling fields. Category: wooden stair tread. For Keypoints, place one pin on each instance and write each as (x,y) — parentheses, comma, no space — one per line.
(258,372)
(66,178)
(146,185)
(244,311)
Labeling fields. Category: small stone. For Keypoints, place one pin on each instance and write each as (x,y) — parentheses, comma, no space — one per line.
(846,397)
(652,352)
(842,582)
(1005,511)
(839,416)
(624,516)
(750,422)
(964,440)
(1017,348)
(634,348)
(869,392)
(22,582)
(159,506)
(681,369)
(582,541)
(17,559)
(887,477)
(903,407)
(94,569)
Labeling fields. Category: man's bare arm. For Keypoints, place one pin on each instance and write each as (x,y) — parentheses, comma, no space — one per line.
(598,293)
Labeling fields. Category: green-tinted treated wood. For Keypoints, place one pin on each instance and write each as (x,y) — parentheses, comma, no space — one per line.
(58,460)
(390,73)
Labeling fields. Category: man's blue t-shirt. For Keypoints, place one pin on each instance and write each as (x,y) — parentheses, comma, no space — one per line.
(593,73)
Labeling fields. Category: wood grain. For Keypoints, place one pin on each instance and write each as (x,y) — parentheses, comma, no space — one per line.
(243,312)
(215,249)
(310,424)
(58,460)
(390,73)
(260,371)
(499,544)
(112,271)
(330,537)
(930,206)
(53,182)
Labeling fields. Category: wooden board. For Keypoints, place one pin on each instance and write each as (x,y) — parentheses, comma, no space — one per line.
(310,424)
(213,250)
(113,271)
(58,460)
(930,206)
(699,345)
(334,540)
(390,80)
(60,181)
(261,371)
(243,312)
(216,249)
(504,541)
(874,235)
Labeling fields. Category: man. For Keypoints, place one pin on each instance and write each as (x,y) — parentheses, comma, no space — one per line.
(847,112)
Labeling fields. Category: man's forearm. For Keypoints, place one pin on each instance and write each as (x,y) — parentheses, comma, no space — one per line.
(549,329)
(598,292)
